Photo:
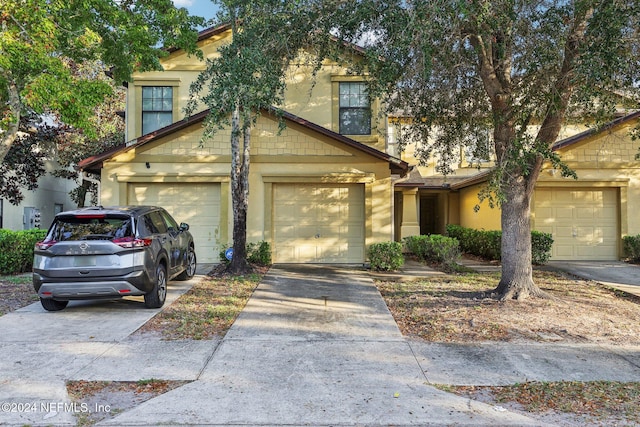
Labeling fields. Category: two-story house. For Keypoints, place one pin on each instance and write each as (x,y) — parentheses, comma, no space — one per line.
(325,188)
(320,191)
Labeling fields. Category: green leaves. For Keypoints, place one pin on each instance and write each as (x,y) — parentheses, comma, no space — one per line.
(42,42)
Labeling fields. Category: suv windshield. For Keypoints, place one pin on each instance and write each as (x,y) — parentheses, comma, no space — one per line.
(90,227)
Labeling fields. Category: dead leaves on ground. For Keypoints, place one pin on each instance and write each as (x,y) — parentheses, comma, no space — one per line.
(461,308)
(207,310)
(607,401)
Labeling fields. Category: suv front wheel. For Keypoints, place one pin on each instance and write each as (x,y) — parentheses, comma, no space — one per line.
(156,297)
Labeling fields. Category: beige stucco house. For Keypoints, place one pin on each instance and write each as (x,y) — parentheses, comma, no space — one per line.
(325,188)
(320,191)
(587,217)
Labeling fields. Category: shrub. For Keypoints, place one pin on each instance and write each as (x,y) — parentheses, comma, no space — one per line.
(386,256)
(488,244)
(631,247)
(16,249)
(257,253)
(540,247)
(435,248)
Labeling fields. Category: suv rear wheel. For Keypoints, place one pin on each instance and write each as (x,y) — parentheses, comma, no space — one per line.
(156,297)
(190,269)
(53,305)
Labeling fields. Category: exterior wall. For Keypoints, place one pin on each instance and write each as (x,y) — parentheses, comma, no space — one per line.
(180,70)
(295,155)
(606,160)
(306,96)
(486,218)
(461,167)
(316,99)
(51,194)
(602,161)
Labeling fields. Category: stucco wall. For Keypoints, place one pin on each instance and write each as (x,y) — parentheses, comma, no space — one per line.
(296,155)
(486,218)
(50,191)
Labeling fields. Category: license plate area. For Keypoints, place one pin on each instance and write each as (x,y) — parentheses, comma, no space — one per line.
(84,261)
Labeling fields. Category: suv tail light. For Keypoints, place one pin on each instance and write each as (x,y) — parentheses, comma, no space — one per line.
(44,245)
(130,242)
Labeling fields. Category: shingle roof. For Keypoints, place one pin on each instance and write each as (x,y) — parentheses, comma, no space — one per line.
(94,163)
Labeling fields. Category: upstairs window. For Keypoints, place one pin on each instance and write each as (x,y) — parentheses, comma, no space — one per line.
(157,107)
(355,109)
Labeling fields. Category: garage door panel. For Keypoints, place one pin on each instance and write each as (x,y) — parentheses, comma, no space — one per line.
(196,204)
(329,223)
(562,212)
(583,222)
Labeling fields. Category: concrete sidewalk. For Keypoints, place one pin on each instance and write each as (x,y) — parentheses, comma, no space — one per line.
(316,345)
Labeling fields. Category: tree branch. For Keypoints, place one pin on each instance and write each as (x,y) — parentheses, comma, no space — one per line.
(12,117)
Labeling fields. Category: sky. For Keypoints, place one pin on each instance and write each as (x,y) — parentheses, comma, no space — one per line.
(203,8)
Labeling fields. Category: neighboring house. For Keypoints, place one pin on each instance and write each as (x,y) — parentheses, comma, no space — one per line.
(39,206)
(324,189)
(587,217)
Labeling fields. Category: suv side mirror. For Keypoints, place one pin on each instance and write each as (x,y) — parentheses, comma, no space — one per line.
(184,226)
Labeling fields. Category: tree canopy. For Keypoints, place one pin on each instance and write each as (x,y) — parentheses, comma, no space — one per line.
(499,77)
(42,41)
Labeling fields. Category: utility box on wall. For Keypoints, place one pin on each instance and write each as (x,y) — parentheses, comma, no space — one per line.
(31,218)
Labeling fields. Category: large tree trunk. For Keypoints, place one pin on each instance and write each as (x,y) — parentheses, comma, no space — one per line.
(517,272)
(239,192)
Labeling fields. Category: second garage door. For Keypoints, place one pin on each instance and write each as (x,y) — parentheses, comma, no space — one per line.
(583,222)
(197,204)
(316,223)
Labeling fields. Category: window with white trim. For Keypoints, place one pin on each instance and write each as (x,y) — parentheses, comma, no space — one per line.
(355,109)
(157,107)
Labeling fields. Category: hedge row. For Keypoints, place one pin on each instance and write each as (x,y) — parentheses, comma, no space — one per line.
(16,249)
(488,244)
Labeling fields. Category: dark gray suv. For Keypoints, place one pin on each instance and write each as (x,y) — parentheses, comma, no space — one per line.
(109,253)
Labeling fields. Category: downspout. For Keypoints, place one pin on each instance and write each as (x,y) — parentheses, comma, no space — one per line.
(86,177)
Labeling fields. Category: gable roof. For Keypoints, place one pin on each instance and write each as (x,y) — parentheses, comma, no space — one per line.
(205,34)
(94,163)
(594,131)
(564,143)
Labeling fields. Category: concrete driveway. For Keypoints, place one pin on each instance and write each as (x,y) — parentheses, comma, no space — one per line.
(616,274)
(89,340)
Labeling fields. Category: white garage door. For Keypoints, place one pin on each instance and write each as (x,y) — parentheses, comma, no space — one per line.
(583,222)
(318,223)
(197,204)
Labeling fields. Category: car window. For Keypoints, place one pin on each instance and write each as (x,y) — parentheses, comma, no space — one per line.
(158,222)
(89,228)
(146,226)
(171,223)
